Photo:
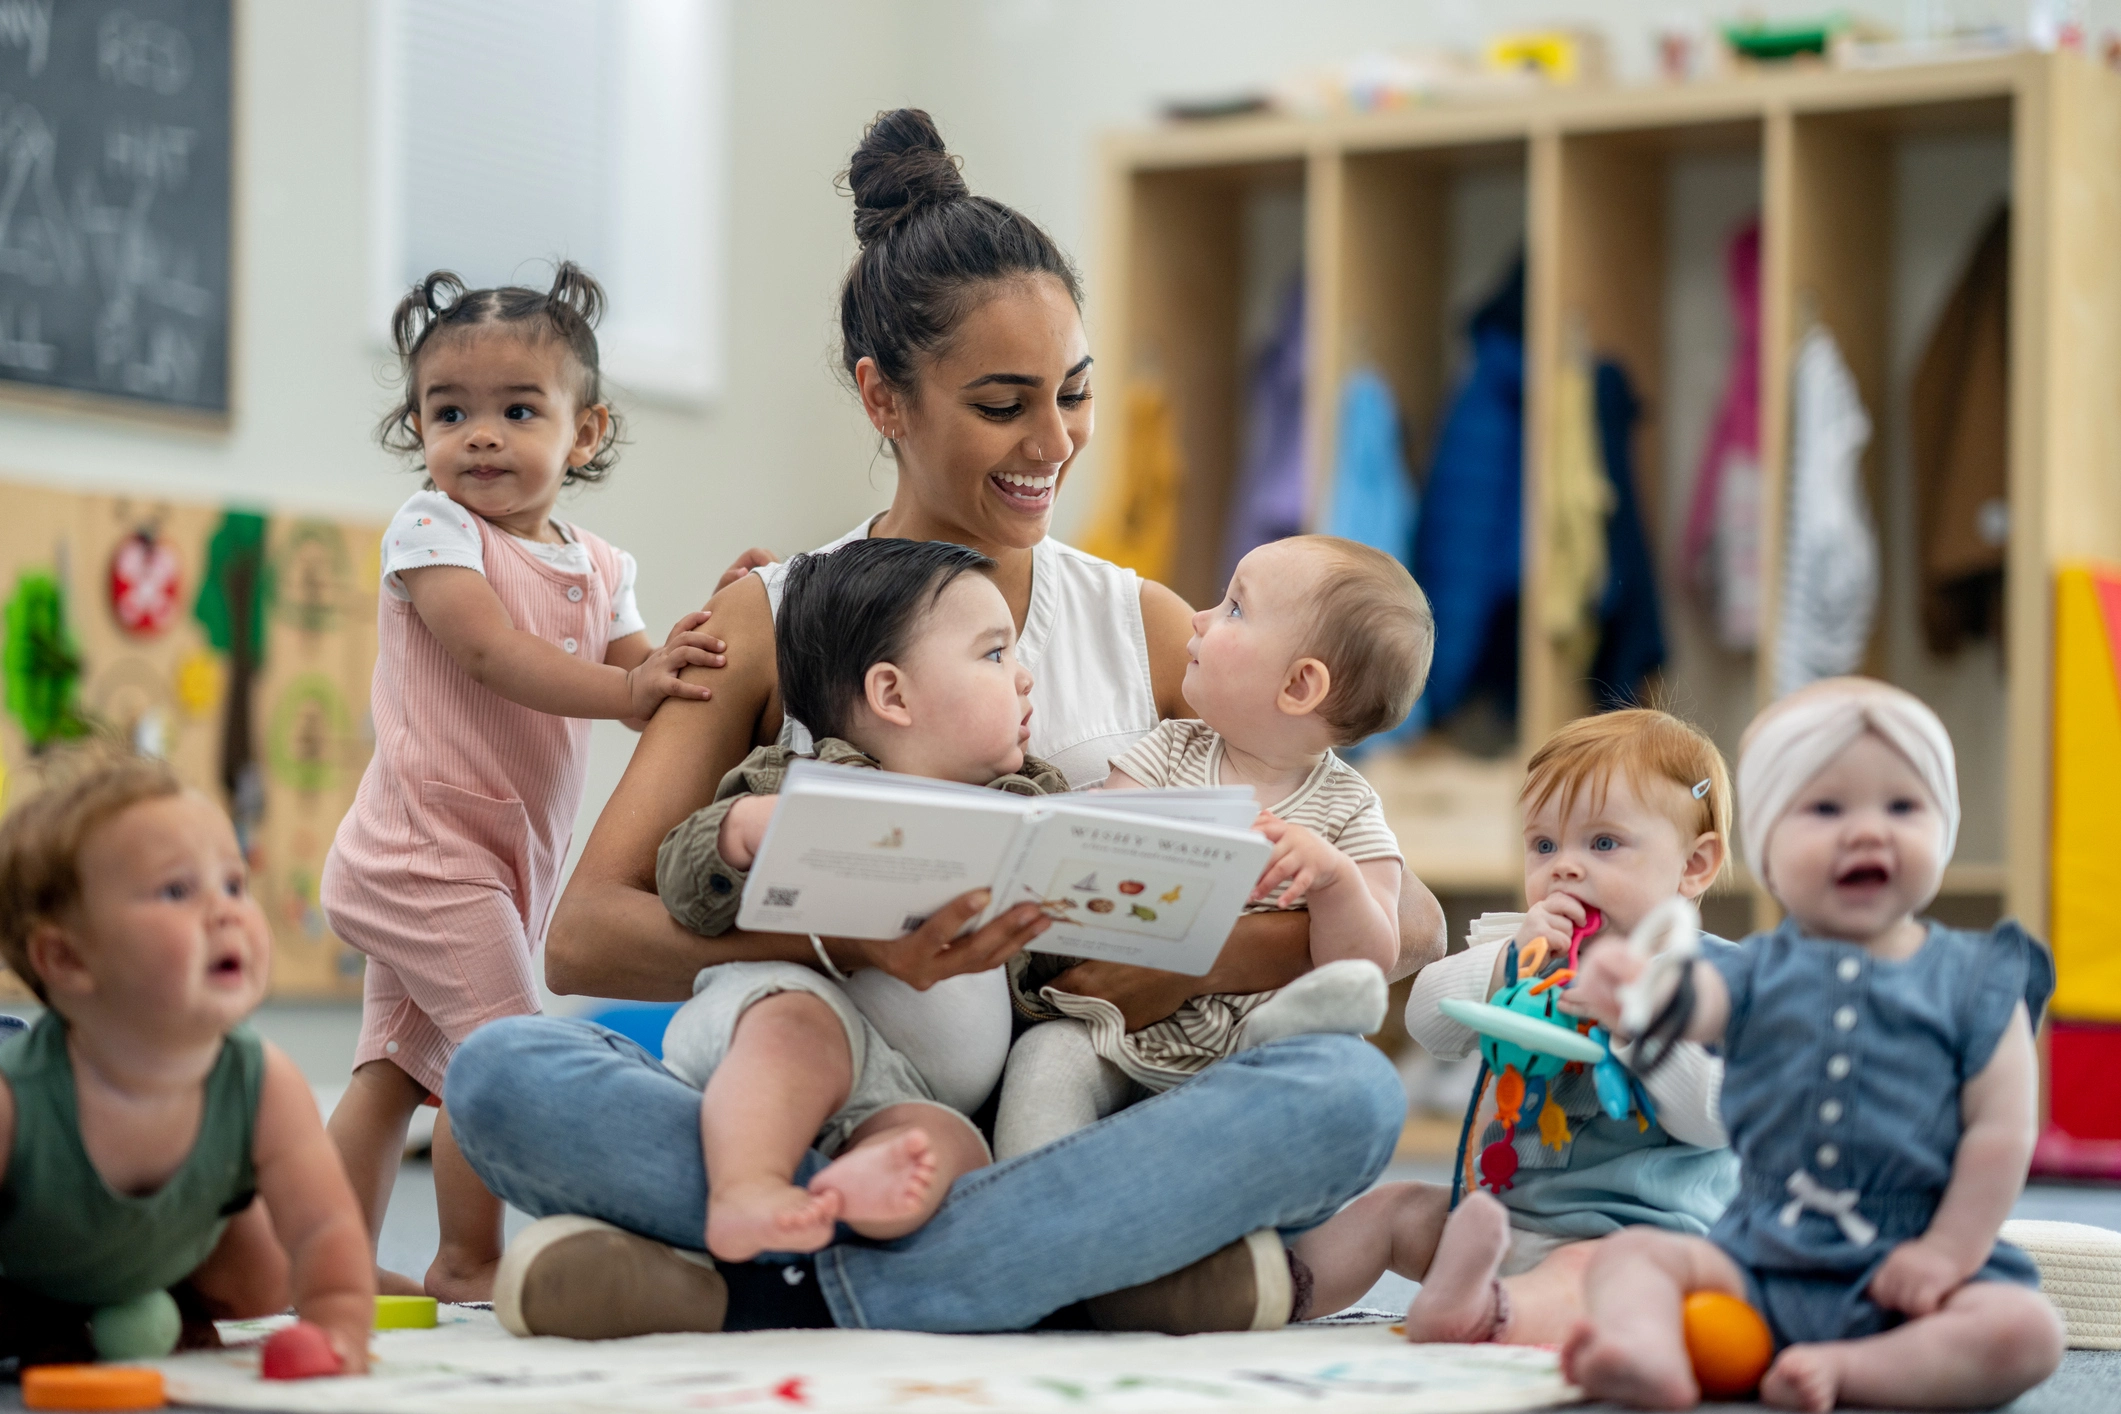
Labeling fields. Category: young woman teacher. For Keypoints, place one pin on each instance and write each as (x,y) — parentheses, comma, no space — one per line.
(963,336)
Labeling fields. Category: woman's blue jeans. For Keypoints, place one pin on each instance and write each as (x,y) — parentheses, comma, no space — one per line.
(561,1116)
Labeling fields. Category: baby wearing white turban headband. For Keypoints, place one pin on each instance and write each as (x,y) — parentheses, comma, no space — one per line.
(1850,1083)
(1792,741)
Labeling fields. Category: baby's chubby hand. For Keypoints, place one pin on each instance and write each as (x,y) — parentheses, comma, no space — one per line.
(656,676)
(1555,918)
(1916,1276)
(1595,992)
(744,830)
(1300,856)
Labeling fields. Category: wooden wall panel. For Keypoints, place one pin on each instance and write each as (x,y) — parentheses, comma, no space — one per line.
(310,734)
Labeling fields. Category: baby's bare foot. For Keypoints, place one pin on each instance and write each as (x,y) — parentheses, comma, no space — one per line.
(1609,1369)
(1458,1299)
(449,1280)
(748,1219)
(1803,1377)
(884,1182)
(390,1283)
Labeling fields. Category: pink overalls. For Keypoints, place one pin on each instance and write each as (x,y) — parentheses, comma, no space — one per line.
(443,872)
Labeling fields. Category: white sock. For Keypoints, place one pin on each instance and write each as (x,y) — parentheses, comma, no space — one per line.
(1055,1084)
(1347,997)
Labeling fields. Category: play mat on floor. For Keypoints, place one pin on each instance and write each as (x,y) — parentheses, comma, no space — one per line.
(469,1365)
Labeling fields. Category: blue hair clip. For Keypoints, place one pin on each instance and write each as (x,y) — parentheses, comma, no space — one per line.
(1701,788)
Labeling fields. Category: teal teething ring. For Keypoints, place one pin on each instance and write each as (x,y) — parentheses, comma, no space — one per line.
(1516,1035)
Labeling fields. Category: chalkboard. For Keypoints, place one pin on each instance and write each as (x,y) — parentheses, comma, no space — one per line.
(114,198)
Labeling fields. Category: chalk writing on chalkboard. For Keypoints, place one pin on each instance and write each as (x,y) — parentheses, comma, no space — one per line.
(114,198)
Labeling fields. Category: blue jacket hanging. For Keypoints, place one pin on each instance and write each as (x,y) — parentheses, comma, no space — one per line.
(1469,545)
(1270,486)
(1631,629)
(1373,494)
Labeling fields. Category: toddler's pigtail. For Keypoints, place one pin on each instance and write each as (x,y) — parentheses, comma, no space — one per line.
(574,305)
(575,297)
(425,305)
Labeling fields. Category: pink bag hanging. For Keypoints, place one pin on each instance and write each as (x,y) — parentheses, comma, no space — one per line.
(1721,552)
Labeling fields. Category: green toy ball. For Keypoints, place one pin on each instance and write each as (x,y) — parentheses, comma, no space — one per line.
(144,1328)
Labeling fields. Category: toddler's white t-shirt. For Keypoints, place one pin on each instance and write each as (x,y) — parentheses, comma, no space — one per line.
(430,530)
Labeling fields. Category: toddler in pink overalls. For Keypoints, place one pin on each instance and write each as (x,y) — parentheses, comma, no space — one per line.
(501,631)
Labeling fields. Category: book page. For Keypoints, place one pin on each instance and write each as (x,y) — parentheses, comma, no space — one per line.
(1154,893)
(857,863)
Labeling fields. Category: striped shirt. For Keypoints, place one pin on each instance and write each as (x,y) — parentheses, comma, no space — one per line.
(1334,801)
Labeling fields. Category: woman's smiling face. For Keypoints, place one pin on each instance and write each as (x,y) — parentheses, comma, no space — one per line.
(996,417)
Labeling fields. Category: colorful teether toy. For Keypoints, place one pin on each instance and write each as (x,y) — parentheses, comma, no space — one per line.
(1526,1038)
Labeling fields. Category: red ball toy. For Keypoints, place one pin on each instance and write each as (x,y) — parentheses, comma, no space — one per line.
(300,1352)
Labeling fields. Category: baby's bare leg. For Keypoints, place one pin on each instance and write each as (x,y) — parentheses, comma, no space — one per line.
(1458,1300)
(368,1129)
(1392,1228)
(898,1167)
(470,1220)
(1546,1303)
(1989,1343)
(788,1068)
(1632,1349)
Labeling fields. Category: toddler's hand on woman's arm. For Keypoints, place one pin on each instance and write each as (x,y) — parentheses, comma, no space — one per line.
(656,676)
(752,559)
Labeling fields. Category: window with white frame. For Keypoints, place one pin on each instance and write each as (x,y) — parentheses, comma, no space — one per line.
(512,133)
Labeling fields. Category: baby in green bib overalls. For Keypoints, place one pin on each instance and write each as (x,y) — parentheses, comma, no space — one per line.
(161,1166)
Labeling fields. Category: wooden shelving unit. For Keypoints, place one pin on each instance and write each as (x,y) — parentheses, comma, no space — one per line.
(1592,183)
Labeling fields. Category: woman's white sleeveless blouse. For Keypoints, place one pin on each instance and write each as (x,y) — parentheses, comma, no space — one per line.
(1086,648)
(1088,654)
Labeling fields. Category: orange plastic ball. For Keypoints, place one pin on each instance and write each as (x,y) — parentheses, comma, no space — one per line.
(1727,1342)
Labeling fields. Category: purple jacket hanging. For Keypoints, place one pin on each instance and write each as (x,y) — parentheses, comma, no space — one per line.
(1269,503)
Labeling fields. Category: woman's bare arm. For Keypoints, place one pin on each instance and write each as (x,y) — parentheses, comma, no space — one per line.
(1167,624)
(610,934)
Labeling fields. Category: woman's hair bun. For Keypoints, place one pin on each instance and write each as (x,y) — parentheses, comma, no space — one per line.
(901,167)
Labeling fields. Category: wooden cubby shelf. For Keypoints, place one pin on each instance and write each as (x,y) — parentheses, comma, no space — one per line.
(1869,187)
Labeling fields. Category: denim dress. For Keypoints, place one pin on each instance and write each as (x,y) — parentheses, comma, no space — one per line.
(1841,1085)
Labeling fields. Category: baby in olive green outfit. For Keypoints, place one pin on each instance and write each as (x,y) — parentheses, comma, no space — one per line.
(160,1165)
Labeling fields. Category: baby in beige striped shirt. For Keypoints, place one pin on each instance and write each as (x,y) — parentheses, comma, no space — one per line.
(1318,643)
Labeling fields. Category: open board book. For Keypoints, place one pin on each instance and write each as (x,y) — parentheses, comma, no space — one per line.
(1155,878)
